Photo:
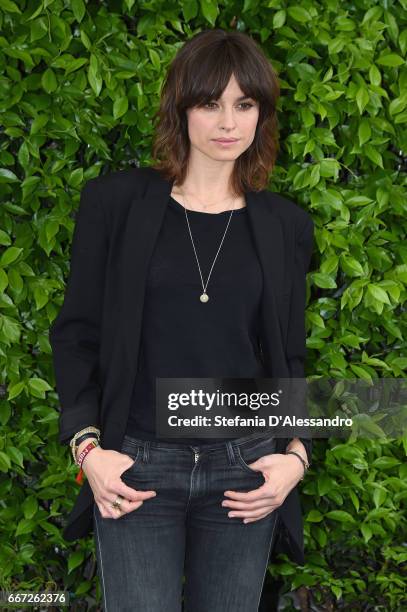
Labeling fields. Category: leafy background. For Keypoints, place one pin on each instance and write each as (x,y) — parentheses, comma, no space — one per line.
(79,83)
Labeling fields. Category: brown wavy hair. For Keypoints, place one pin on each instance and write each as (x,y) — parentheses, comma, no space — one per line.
(199,73)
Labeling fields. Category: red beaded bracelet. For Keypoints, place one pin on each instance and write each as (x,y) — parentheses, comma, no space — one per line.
(81,457)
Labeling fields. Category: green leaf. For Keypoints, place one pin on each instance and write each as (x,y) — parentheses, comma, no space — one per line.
(337,591)
(398,105)
(360,372)
(78,9)
(16,455)
(390,59)
(340,515)
(325,484)
(279,19)
(38,386)
(10,255)
(379,496)
(366,532)
(7,176)
(155,59)
(323,280)
(75,559)
(374,75)
(189,9)
(120,107)
(378,293)
(351,266)
(10,329)
(373,155)
(30,506)
(209,10)
(299,13)
(76,177)
(24,526)
(355,500)
(314,516)
(5,463)
(49,81)
(95,80)
(385,463)
(364,131)
(362,99)
(11,7)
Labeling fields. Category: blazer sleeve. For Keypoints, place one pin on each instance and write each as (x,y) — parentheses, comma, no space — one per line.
(296,339)
(75,333)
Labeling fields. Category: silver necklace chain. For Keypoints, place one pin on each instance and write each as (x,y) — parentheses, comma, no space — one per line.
(204,296)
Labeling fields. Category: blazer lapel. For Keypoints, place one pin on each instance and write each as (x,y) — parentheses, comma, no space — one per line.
(271,249)
(143,225)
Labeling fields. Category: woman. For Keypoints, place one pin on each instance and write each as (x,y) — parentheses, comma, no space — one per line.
(187,269)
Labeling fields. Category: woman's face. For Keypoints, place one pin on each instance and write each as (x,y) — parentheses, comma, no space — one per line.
(233,116)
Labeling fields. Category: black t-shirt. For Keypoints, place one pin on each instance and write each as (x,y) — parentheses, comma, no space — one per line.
(183,337)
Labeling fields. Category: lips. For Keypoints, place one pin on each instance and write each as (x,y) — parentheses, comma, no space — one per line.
(225,139)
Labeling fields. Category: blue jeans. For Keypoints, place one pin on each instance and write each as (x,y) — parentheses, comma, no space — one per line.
(184,531)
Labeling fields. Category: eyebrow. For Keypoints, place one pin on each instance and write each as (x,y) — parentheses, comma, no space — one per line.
(241,98)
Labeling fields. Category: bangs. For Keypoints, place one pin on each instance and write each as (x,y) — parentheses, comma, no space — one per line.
(208,73)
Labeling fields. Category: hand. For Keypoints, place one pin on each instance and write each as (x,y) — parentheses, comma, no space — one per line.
(103,469)
(281,474)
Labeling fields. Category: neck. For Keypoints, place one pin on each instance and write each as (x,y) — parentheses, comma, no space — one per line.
(207,180)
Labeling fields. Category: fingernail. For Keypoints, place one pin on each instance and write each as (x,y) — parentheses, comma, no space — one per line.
(232,514)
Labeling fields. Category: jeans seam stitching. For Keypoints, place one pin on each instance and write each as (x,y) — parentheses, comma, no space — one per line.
(243,463)
(101,558)
(135,458)
(190,488)
(268,557)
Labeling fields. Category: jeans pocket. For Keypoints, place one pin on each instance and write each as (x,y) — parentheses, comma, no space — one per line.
(249,453)
(132,452)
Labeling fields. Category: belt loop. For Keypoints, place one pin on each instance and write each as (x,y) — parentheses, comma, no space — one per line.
(231,452)
(146,451)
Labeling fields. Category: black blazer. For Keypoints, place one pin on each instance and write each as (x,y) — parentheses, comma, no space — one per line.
(95,337)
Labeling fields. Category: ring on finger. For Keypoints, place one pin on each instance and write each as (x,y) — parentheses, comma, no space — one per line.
(117,503)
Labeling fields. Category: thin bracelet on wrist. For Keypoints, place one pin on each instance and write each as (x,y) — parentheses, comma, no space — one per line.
(305,464)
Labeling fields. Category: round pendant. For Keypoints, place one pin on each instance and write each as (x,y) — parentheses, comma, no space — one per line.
(204,297)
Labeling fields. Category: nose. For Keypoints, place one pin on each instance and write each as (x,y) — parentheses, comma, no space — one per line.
(227,120)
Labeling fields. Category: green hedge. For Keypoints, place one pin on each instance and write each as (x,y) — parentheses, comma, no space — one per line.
(78,88)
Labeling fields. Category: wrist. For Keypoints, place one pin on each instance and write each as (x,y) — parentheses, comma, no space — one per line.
(304,464)
(297,446)
(300,466)
(83,445)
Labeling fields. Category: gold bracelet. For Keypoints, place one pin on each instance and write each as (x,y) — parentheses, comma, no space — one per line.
(72,443)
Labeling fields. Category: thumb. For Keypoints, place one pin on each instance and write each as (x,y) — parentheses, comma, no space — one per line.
(256,465)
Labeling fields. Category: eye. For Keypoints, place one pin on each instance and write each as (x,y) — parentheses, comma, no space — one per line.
(247,105)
